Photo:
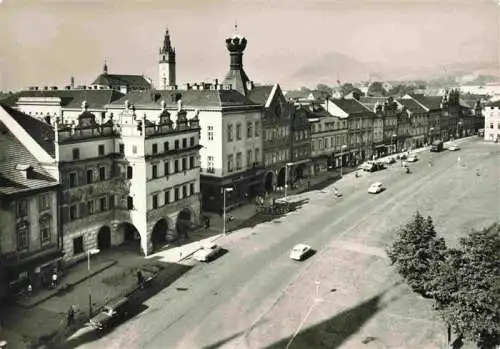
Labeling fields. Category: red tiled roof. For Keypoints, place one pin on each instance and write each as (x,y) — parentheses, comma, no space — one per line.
(41,132)
(12,154)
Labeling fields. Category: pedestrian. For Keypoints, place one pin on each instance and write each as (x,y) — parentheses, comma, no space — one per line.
(140,278)
(71,316)
(29,289)
(54,279)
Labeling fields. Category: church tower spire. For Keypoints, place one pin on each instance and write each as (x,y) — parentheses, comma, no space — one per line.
(105,68)
(236,75)
(166,64)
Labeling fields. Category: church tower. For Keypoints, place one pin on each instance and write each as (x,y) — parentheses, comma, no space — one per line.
(236,75)
(166,64)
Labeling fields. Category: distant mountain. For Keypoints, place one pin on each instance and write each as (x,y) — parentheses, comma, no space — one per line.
(334,66)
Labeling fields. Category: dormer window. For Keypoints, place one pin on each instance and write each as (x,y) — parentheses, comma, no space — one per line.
(26,170)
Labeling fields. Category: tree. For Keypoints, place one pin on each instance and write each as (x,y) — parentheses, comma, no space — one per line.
(324,91)
(415,251)
(376,89)
(346,88)
(467,287)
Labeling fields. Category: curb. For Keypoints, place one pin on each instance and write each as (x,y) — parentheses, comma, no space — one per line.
(86,277)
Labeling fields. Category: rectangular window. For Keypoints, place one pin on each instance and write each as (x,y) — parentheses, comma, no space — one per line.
(45,229)
(176,166)
(23,236)
(184,143)
(102,173)
(122,148)
(134,149)
(184,191)
(191,189)
(130,202)
(43,202)
(103,204)
(257,155)
(191,142)
(165,147)
(230,160)
(229,133)
(256,129)
(167,197)
(155,148)
(101,149)
(90,176)
(238,132)
(249,158)
(155,201)
(73,213)
(249,129)
(130,171)
(76,154)
(111,201)
(210,133)
(78,245)
(90,207)
(176,144)
(210,164)
(166,168)
(176,194)
(191,162)
(238,161)
(155,171)
(22,208)
(184,164)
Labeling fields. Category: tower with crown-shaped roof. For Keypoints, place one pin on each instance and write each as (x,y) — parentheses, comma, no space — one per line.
(236,76)
(166,64)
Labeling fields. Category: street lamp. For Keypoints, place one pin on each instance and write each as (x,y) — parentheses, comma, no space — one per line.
(393,138)
(224,209)
(286,177)
(431,131)
(89,253)
(342,148)
(459,124)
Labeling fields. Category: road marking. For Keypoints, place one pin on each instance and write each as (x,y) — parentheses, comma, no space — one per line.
(301,324)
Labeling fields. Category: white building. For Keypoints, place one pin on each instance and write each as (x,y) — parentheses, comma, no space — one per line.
(492,122)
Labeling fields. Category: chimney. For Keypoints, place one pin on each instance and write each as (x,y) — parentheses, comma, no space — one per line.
(188,86)
(72,82)
(67,87)
(53,88)
(46,88)
(26,170)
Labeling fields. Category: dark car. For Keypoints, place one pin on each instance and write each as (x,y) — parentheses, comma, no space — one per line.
(110,315)
(437,146)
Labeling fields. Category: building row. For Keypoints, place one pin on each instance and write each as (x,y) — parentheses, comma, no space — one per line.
(119,161)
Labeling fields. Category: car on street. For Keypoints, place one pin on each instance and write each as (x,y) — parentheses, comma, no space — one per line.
(453,147)
(208,252)
(300,252)
(372,166)
(110,315)
(389,160)
(376,188)
(412,158)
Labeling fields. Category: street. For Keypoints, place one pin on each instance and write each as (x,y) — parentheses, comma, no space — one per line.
(346,295)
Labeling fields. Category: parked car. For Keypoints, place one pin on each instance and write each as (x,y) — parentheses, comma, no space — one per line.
(207,252)
(453,147)
(376,188)
(300,252)
(412,158)
(110,315)
(437,146)
(389,160)
(372,166)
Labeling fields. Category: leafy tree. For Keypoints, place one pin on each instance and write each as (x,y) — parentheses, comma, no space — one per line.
(324,91)
(415,251)
(467,287)
(346,88)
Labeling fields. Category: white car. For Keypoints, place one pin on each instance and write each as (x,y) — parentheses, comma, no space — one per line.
(453,147)
(376,188)
(412,158)
(207,252)
(300,251)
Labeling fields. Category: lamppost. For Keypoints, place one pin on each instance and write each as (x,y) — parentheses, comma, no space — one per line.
(459,124)
(224,209)
(431,131)
(393,139)
(286,177)
(342,148)
(89,253)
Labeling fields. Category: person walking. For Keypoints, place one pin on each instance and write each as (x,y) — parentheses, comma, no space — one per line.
(54,279)
(71,316)
(29,289)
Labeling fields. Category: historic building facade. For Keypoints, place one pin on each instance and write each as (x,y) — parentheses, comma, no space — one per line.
(128,179)
(29,231)
(300,144)
(492,122)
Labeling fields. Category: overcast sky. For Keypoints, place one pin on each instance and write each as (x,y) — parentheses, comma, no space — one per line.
(45,42)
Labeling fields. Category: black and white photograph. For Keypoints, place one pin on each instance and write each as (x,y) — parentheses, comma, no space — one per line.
(249,174)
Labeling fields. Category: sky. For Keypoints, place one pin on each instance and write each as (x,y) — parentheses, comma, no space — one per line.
(45,42)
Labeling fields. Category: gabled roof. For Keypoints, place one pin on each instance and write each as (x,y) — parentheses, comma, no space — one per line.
(412,106)
(350,106)
(190,98)
(71,98)
(260,94)
(297,94)
(40,131)
(430,102)
(370,102)
(14,157)
(122,80)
